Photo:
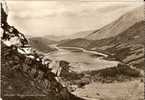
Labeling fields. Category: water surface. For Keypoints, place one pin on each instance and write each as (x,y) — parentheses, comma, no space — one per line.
(81,60)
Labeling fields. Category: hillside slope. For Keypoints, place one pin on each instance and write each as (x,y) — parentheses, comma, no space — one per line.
(128,46)
(119,25)
(79,42)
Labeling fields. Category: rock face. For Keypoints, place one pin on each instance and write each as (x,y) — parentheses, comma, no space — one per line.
(26,74)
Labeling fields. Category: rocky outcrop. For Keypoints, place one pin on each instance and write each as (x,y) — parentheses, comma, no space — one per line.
(25,73)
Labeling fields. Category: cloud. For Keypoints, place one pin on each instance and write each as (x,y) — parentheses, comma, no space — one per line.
(41,9)
(63,17)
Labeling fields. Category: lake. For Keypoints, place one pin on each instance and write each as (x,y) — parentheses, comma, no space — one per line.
(81,59)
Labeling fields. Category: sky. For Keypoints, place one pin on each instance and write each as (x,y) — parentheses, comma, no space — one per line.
(40,18)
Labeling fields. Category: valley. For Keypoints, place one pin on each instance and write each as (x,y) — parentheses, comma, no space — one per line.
(100,64)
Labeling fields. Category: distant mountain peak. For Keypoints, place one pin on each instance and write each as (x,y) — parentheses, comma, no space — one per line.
(119,25)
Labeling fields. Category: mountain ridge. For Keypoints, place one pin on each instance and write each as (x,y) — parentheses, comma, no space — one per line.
(119,25)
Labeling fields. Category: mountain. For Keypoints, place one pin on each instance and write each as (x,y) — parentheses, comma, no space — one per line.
(55,38)
(123,38)
(127,46)
(79,42)
(82,34)
(119,25)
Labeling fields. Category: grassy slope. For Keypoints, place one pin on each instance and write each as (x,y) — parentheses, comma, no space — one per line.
(130,90)
(127,46)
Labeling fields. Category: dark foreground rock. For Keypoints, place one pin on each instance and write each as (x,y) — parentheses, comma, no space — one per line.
(23,76)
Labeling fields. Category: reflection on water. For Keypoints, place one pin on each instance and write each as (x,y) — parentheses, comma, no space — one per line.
(81,61)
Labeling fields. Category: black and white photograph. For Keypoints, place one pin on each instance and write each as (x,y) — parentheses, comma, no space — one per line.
(72,49)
